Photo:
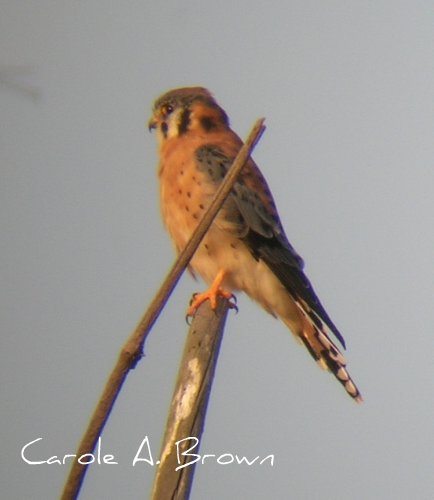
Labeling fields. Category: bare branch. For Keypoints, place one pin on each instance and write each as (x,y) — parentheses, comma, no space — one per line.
(187,412)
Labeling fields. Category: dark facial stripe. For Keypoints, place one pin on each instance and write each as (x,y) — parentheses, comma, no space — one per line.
(164,128)
(184,122)
(207,123)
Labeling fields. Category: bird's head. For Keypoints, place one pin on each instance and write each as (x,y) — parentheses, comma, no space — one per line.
(184,110)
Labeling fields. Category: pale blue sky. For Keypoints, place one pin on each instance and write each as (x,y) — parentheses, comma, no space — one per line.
(347,89)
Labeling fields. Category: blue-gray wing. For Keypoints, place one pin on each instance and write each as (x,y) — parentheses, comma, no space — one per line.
(251,215)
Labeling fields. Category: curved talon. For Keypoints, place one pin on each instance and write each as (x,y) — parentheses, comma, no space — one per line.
(233,303)
(192,300)
(212,294)
(198,298)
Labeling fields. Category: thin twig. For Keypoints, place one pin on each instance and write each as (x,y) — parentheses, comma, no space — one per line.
(132,351)
(187,412)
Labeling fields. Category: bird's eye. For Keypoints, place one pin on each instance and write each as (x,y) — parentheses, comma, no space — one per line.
(167,109)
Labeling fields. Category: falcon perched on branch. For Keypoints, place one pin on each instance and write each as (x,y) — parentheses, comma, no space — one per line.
(246,247)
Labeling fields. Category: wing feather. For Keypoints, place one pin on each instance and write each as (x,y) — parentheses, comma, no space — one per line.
(250,213)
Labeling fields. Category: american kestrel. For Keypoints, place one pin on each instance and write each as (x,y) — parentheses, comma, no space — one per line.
(246,247)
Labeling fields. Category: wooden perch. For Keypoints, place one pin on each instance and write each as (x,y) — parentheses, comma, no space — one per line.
(132,351)
(187,412)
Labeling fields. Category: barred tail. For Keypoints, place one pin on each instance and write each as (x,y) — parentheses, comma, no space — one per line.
(324,351)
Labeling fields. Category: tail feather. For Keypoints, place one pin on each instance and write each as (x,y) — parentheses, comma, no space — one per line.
(315,325)
(324,351)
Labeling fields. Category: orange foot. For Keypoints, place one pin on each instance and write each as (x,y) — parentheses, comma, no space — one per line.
(211,294)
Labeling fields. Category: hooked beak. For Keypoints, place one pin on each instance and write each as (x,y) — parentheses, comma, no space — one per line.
(152,123)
